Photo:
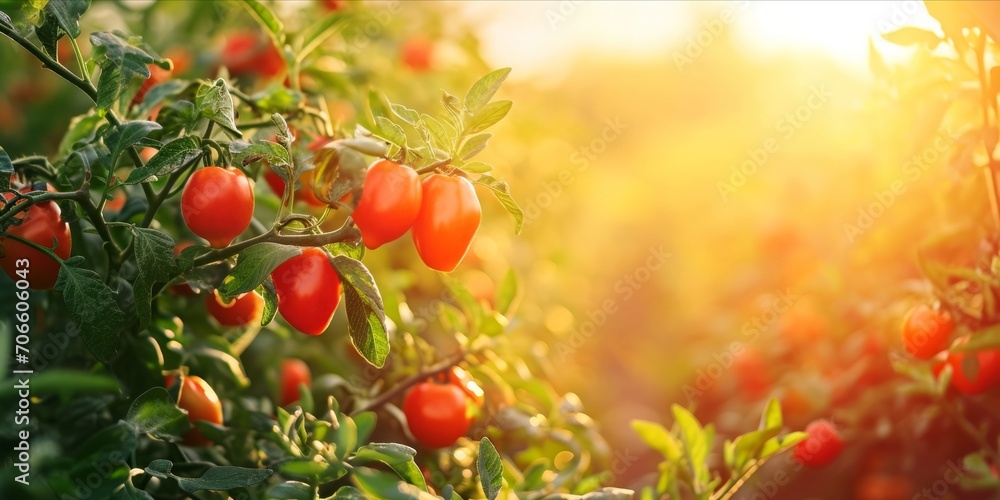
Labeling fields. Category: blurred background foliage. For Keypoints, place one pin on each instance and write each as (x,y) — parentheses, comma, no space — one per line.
(624,155)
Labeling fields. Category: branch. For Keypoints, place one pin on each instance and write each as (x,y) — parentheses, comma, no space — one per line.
(410,381)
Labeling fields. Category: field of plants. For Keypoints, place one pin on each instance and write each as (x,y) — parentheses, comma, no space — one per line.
(334,249)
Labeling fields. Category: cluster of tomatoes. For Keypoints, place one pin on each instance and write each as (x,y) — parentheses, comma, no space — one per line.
(437,413)
(927,333)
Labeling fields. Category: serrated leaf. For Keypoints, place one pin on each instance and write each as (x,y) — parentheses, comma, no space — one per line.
(216,104)
(490,469)
(501,190)
(474,145)
(170,158)
(92,306)
(487,116)
(273,153)
(390,131)
(67,14)
(225,478)
(483,90)
(156,94)
(254,265)
(396,456)
(154,258)
(365,311)
(119,62)
(404,113)
(154,412)
(339,170)
(127,135)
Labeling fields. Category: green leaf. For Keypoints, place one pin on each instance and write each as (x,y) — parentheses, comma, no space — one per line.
(508,292)
(390,131)
(215,103)
(154,258)
(67,14)
(474,145)
(747,447)
(378,104)
(223,363)
(291,490)
(127,135)
(6,167)
(159,468)
(120,62)
(453,106)
(909,35)
(659,439)
(771,418)
(776,445)
(267,20)
(93,307)
(379,484)
(273,153)
(406,114)
(270,295)
(396,456)
(154,412)
(438,132)
(501,190)
(981,340)
(81,129)
(365,312)
(155,95)
(5,20)
(483,90)
(253,265)
(225,478)
(170,158)
(476,167)
(696,445)
(488,116)
(366,424)
(313,36)
(490,469)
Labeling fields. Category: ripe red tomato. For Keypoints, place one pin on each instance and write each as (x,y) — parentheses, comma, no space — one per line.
(436,414)
(242,311)
(157,75)
(308,291)
(294,372)
(987,374)
(926,331)
(201,403)
(448,220)
(475,397)
(390,202)
(417,52)
(182,288)
(42,224)
(303,193)
(821,447)
(217,204)
(332,5)
(753,374)
(251,54)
